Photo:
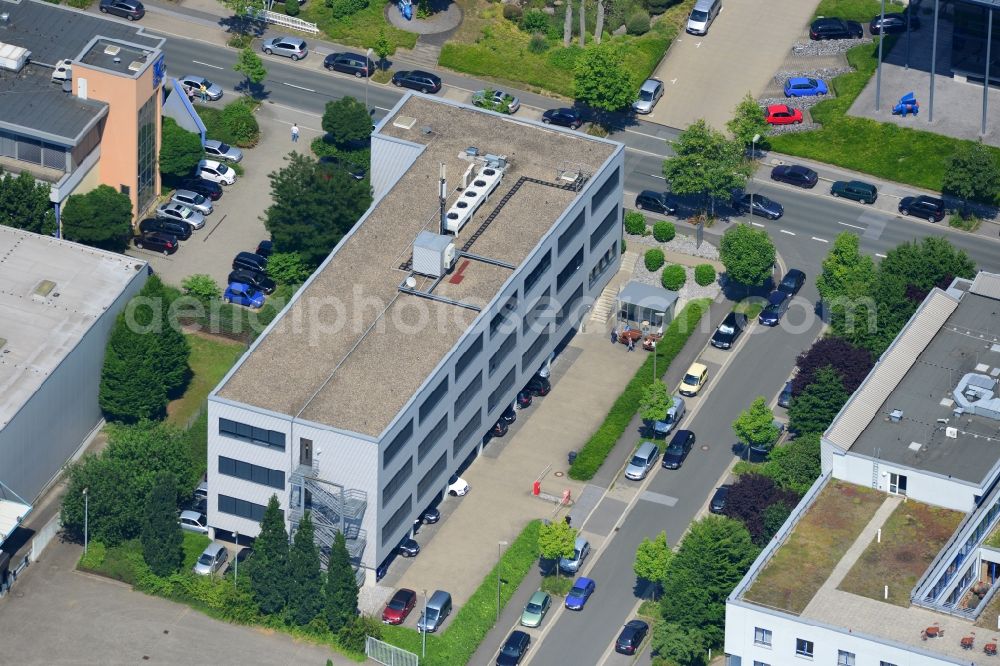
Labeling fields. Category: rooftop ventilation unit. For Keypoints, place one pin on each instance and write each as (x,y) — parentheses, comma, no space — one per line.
(896,415)
(44,290)
(4,17)
(977,394)
(472,198)
(433,254)
(135,65)
(112,50)
(12,57)
(404,122)
(951,432)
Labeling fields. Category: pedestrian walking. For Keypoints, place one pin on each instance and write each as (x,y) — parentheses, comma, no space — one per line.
(295,133)
(567,519)
(203,92)
(614,336)
(631,344)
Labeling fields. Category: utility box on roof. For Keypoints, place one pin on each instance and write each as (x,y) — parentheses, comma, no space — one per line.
(433,254)
(13,57)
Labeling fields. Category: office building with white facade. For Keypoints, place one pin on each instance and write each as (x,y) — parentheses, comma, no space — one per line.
(381,377)
(892,558)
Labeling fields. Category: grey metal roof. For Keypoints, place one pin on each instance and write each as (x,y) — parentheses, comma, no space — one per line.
(30,103)
(647,296)
(986,284)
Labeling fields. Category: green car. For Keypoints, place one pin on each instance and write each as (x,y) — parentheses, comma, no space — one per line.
(536,609)
(855,189)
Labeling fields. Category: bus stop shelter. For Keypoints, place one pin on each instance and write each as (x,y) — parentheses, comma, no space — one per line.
(644,305)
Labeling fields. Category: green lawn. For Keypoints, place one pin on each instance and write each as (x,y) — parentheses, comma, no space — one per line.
(360,29)
(884,150)
(854,10)
(211,359)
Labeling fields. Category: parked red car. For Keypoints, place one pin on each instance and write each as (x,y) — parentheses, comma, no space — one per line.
(782,114)
(399,606)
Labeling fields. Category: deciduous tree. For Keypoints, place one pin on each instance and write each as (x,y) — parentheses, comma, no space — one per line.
(287,268)
(268,567)
(795,465)
(346,121)
(601,78)
(24,204)
(706,163)
(748,121)
(972,174)
(652,558)
(180,150)
(851,363)
(686,646)
(815,408)
(101,218)
(748,255)
(749,499)
(341,592)
(654,402)
(556,540)
(161,537)
(755,425)
(382,47)
(252,68)
(203,287)
(305,578)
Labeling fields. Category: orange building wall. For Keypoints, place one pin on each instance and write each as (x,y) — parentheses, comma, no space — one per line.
(118,164)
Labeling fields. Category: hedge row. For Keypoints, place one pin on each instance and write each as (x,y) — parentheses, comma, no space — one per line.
(597,448)
(473,621)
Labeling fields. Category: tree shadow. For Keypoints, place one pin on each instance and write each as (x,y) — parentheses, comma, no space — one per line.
(235,25)
(255,91)
(645,589)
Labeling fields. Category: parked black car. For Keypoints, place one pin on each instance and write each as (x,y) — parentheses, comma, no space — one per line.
(835,28)
(181,230)
(157,242)
(524,399)
(264,248)
(792,282)
(129,9)
(538,385)
(785,397)
(430,515)
(761,206)
(718,503)
(563,117)
(417,79)
(499,428)
(631,637)
(509,415)
(676,452)
(657,202)
(250,261)
(255,279)
(894,23)
(350,63)
(794,174)
(514,649)
(777,305)
(357,171)
(730,329)
(929,208)
(408,548)
(207,188)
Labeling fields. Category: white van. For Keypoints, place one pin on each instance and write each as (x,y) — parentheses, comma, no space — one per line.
(702,15)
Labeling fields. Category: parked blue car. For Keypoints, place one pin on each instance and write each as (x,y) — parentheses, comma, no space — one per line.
(582,589)
(800,86)
(243,294)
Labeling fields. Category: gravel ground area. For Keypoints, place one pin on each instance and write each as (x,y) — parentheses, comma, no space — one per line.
(807,125)
(824,73)
(804,103)
(686,245)
(681,245)
(690,290)
(828,47)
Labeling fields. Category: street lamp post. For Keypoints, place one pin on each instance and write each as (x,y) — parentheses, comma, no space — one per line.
(423,634)
(661,315)
(86,520)
(753,156)
(368,75)
(236,564)
(500,546)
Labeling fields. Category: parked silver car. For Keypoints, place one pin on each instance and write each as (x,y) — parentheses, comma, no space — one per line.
(498,98)
(642,461)
(649,94)
(217,150)
(192,83)
(180,213)
(196,202)
(212,559)
(193,521)
(290,47)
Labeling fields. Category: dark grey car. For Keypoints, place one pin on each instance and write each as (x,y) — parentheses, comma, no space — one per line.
(758,204)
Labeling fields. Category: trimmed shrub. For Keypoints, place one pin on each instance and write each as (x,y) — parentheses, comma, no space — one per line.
(635,223)
(534,21)
(637,24)
(538,43)
(664,231)
(512,13)
(704,274)
(673,278)
(292,7)
(654,259)
(240,124)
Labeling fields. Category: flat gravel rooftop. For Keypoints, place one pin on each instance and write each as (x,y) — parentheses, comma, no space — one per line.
(352,349)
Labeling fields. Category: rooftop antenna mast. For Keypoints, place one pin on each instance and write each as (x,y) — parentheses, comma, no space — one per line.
(443,196)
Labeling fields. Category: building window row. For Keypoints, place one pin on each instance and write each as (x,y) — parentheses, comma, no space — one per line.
(433,475)
(606,225)
(27,149)
(567,308)
(604,191)
(467,396)
(259,436)
(572,231)
(468,433)
(433,399)
(502,320)
(275,478)
(468,357)
(397,482)
(432,438)
(803,648)
(501,354)
(569,269)
(762,636)
(397,444)
(394,523)
(760,663)
(606,261)
(540,269)
(501,390)
(541,310)
(533,351)
(242,508)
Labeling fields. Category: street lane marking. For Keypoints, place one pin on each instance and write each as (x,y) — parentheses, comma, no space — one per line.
(651,175)
(643,152)
(199,62)
(292,85)
(786,231)
(821,240)
(658,498)
(853,226)
(648,136)
(879,255)
(757,224)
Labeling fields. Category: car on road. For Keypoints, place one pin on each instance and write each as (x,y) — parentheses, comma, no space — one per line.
(416,79)
(256,279)
(250,261)
(835,28)
(178,230)
(156,241)
(729,330)
(804,86)
(217,172)
(497,100)
(399,607)
(212,559)
(694,379)
(538,385)
(649,94)
(785,397)
(792,282)
(677,451)
(350,63)
(354,170)
(759,205)
(290,47)
(856,190)
(192,83)
(929,208)
(894,23)
(675,412)
(582,590)
(631,637)
(457,486)
(240,293)
(663,203)
(128,9)
(782,114)
(718,503)
(777,305)
(408,548)
(218,150)
(206,188)
(194,521)
(795,174)
(176,212)
(514,649)
(642,461)
(534,612)
(196,202)
(563,117)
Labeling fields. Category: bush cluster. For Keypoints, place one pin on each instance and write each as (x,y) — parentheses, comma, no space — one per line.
(538,43)
(292,7)
(654,259)
(664,231)
(635,223)
(512,12)
(344,8)
(241,124)
(535,20)
(704,274)
(673,278)
(637,23)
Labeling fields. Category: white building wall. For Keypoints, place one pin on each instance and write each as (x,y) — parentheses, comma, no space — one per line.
(742,620)
(55,422)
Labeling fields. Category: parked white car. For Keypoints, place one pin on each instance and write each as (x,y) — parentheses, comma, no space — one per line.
(457,486)
(192,521)
(216,172)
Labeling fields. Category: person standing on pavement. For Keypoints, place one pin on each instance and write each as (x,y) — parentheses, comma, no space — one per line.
(295,133)
(631,343)
(614,336)
(203,92)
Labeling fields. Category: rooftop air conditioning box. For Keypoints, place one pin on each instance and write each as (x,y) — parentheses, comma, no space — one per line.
(433,254)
